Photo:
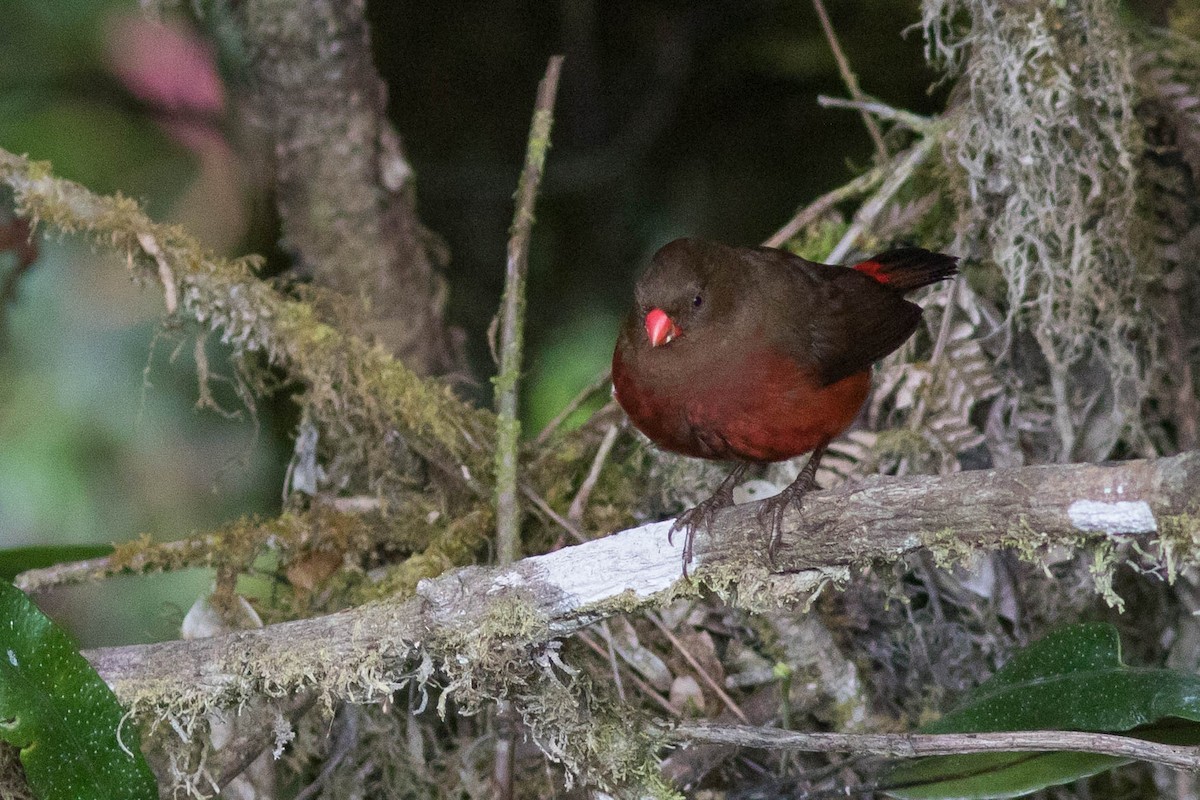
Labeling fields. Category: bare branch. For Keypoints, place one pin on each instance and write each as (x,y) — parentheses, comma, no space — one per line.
(813,211)
(871,209)
(849,78)
(916,745)
(908,119)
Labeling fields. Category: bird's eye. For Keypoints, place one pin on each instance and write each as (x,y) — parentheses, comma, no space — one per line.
(697,301)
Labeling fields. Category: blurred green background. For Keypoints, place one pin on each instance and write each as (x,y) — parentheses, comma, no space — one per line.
(673,118)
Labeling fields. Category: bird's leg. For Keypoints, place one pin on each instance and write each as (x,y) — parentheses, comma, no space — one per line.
(702,515)
(793,495)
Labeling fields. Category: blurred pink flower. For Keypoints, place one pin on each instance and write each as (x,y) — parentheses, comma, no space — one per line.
(166,66)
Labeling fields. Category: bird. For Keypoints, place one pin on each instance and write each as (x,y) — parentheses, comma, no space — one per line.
(755,355)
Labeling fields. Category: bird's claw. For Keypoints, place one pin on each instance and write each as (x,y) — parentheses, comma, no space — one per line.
(701,516)
(793,495)
(770,516)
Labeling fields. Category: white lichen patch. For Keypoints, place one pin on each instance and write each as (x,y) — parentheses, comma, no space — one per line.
(1122,516)
(638,560)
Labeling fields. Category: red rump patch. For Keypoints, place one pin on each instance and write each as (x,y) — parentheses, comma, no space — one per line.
(907,268)
(872,269)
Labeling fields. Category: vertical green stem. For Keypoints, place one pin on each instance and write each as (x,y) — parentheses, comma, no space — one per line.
(512,317)
(507,381)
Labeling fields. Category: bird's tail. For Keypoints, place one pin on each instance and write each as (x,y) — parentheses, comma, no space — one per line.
(909,268)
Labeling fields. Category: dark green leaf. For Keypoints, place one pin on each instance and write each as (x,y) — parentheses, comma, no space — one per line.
(1074,680)
(992,775)
(15,561)
(1071,680)
(64,718)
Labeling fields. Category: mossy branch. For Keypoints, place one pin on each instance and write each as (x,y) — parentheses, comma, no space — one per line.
(512,320)
(350,384)
(463,619)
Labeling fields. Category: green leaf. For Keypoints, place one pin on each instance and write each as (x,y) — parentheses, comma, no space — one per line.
(1074,680)
(64,718)
(1071,680)
(19,559)
(992,775)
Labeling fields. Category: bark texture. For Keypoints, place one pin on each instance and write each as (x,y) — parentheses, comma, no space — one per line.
(343,187)
(367,652)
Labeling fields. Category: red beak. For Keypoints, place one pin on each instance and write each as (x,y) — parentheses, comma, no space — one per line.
(660,328)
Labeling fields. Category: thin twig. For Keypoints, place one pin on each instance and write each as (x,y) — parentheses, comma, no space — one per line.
(917,418)
(508,426)
(165,273)
(943,338)
(646,688)
(579,504)
(598,383)
(73,572)
(733,707)
(558,518)
(506,748)
(813,211)
(917,745)
(1187,404)
(612,659)
(849,79)
(912,121)
(512,314)
(874,206)
(347,740)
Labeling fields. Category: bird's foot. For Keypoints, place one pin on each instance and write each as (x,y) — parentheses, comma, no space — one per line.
(770,516)
(703,514)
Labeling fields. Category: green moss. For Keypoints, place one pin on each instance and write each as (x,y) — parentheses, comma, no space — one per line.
(627,602)
(901,443)
(489,658)
(948,548)
(452,543)
(40,170)
(1104,564)
(818,240)
(748,584)
(1030,544)
(1178,542)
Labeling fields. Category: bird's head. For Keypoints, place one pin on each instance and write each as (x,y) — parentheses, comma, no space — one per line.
(683,289)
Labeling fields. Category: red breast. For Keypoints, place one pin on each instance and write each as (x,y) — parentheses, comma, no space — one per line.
(755,354)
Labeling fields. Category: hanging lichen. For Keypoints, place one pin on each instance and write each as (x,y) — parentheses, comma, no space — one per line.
(1047,146)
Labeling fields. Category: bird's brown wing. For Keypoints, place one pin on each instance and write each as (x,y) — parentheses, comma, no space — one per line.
(858,325)
(838,321)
